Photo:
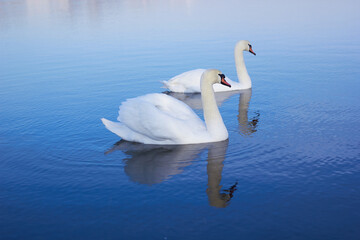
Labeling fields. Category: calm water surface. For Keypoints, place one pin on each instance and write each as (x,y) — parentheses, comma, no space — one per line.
(290,169)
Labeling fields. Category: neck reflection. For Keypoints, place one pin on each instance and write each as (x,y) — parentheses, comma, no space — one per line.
(216,157)
(246,126)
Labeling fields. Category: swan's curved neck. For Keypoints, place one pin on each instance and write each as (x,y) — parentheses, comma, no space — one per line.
(213,120)
(242,73)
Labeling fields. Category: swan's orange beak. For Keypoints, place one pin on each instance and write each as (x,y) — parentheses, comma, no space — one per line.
(223,81)
(250,50)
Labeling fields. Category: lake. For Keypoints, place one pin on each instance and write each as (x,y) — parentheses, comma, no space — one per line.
(289,170)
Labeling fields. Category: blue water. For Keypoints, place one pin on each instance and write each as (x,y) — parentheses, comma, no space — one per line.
(290,169)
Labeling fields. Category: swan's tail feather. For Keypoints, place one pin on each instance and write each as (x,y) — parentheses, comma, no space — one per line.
(123,131)
(115,127)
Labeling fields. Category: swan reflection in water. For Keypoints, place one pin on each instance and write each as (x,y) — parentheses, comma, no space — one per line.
(151,164)
(246,126)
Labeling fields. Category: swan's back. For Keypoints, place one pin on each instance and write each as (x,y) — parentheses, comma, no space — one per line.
(187,82)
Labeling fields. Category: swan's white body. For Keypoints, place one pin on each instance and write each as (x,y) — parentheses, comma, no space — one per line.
(189,82)
(160,119)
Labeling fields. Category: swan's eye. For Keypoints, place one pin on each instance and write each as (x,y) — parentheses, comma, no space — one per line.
(250,46)
(222,75)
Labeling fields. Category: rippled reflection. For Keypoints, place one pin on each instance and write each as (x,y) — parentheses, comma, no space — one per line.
(151,164)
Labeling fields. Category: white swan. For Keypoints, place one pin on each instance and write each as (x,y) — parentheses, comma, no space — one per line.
(160,119)
(189,82)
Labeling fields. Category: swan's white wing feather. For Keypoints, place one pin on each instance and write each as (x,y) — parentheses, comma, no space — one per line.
(158,118)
